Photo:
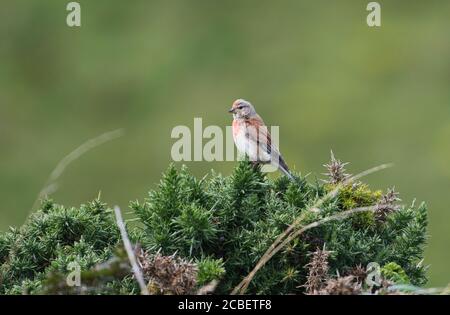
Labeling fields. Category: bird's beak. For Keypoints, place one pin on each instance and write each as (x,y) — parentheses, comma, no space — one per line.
(231,110)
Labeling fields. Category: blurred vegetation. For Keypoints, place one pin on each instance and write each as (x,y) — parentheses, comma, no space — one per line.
(312,67)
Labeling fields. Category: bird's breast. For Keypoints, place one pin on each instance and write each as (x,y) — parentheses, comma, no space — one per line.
(237,128)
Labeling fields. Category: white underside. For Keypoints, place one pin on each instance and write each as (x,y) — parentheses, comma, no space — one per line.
(249,147)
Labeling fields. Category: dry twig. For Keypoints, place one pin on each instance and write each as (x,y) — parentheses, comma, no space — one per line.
(51,184)
(129,249)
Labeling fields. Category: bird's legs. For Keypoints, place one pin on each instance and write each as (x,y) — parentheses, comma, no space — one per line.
(255,165)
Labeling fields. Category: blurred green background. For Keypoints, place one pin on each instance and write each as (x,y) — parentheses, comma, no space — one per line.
(314,68)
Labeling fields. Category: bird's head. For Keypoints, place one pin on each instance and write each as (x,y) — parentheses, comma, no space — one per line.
(242,109)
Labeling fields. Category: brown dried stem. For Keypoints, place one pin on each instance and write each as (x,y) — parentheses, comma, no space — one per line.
(129,249)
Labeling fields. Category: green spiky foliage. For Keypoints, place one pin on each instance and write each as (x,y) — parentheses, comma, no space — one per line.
(236,219)
(218,228)
(51,239)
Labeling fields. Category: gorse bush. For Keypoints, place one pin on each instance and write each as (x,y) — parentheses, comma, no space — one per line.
(218,228)
(52,238)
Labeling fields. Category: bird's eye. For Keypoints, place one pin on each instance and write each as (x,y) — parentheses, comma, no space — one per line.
(240,107)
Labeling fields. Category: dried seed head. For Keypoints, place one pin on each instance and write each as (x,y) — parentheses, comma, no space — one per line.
(318,271)
(336,171)
(359,272)
(168,274)
(387,204)
(341,286)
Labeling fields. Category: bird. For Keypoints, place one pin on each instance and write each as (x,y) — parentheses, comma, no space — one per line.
(253,139)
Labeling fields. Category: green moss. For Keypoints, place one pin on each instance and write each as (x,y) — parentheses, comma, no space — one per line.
(358,195)
(393,272)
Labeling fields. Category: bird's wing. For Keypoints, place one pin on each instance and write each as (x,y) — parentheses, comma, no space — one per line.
(258,133)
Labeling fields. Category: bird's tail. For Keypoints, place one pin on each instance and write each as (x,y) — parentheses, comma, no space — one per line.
(287,173)
(285,169)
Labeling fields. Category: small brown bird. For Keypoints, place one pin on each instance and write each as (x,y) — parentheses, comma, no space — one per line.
(252,137)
